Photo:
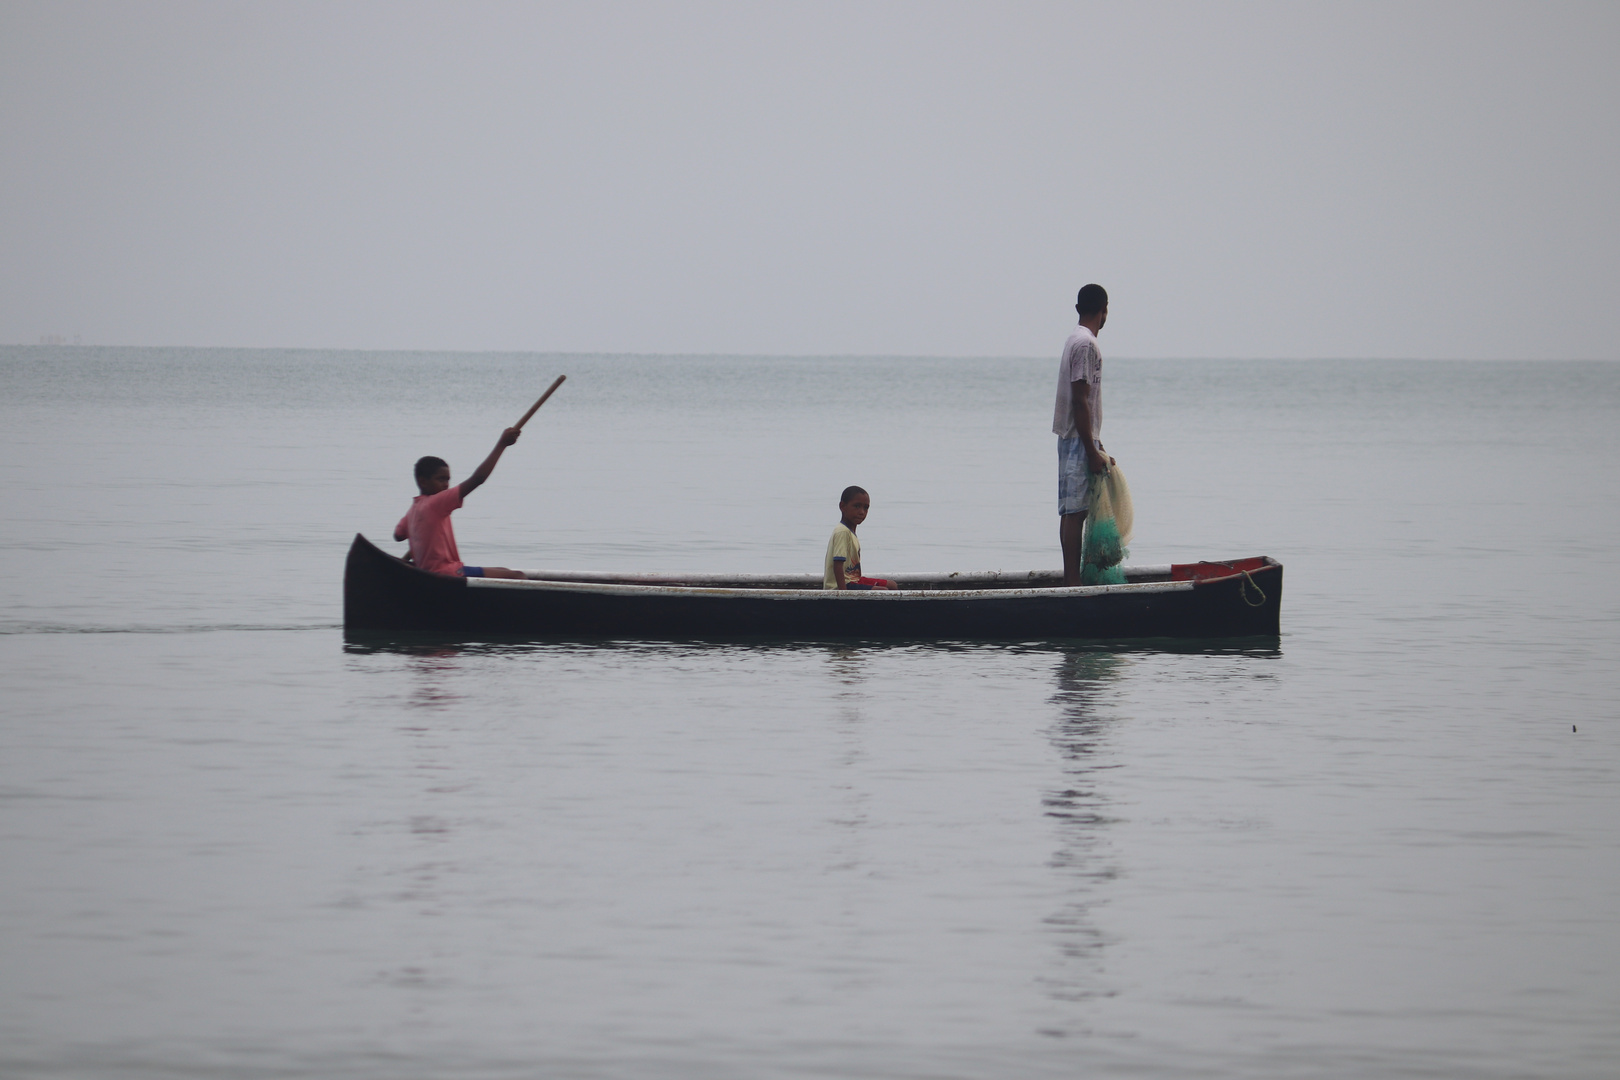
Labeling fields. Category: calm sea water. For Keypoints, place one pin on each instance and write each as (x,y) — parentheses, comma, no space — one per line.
(1386,845)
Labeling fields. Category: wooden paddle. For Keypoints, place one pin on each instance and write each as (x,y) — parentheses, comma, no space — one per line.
(549,391)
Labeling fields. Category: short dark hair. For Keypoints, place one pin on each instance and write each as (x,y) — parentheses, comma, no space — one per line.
(850,492)
(1092,299)
(426,467)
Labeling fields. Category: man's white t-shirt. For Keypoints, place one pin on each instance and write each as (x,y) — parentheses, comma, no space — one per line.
(1081,363)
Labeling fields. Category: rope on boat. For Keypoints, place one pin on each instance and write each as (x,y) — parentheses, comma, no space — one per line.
(1243,590)
(1243,586)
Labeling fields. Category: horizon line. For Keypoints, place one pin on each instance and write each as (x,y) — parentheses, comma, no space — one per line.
(998,357)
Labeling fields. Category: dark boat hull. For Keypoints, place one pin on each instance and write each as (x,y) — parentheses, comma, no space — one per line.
(382,594)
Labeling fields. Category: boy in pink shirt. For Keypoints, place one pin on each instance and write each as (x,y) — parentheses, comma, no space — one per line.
(427,523)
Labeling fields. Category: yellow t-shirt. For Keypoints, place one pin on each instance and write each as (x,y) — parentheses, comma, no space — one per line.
(843,545)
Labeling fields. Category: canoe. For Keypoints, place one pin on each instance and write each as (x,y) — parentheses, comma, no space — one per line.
(1231,598)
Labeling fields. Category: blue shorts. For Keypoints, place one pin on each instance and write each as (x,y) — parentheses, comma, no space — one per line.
(1074,482)
(472,571)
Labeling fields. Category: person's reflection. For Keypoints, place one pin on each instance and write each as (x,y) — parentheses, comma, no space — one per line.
(413,871)
(847,666)
(1079,805)
(434,668)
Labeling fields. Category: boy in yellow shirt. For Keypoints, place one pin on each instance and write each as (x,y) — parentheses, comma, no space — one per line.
(842,569)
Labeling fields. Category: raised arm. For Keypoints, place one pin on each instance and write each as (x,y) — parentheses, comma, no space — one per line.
(480,474)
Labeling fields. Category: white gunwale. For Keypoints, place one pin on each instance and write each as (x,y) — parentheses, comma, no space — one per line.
(603,588)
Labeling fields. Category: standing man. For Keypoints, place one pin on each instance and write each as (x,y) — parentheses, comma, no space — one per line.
(1077,422)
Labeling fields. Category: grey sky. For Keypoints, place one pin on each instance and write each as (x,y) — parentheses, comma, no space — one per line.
(1246,179)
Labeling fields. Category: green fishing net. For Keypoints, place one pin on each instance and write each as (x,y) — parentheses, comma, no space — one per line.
(1108,529)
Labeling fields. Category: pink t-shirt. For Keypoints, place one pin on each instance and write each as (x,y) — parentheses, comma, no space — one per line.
(427,525)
